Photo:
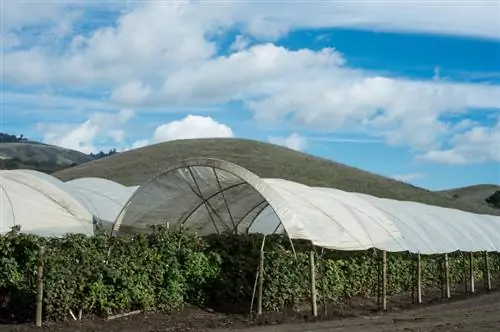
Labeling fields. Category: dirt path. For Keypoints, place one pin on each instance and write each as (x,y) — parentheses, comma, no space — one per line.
(479,313)
(475,314)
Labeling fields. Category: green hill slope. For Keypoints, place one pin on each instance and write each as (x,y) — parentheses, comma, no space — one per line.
(475,195)
(42,157)
(266,160)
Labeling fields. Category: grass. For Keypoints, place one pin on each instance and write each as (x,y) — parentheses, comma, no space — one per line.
(266,160)
(472,194)
(39,156)
(34,152)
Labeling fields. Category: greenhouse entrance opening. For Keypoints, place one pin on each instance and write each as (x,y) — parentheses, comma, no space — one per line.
(201,197)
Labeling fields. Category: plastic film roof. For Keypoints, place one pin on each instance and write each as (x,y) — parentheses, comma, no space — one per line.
(40,206)
(44,205)
(103,198)
(214,196)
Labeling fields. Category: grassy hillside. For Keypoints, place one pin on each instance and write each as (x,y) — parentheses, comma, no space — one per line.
(266,160)
(473,194)
(42,157)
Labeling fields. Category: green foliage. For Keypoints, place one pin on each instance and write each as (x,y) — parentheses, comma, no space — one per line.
(8,138)
(164,270)
(102,275)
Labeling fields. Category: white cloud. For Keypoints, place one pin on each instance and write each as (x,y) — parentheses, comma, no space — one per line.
(132,93)
(190,127)
(476,145)
(294,141)
(477,18)
(409,177)
(260,69)
(155,64)
(241,42)
(85,137)
(18,14)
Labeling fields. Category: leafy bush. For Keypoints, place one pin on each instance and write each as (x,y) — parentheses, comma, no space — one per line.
(164,270)
(102,275)
(494,199)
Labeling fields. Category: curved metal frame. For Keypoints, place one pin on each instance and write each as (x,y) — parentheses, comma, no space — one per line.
(245,175)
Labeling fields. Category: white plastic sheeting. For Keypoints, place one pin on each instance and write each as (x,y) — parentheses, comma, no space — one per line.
(103,198)
(40,206)
(44,205)
(213,196)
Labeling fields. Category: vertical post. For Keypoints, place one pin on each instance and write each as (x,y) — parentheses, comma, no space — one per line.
(384,280)
(447,276)
(419,278)
(487,277)
(39,288)
(471,272)
(261,283)
(314,305)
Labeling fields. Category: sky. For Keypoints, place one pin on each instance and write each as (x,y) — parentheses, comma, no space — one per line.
(405,89)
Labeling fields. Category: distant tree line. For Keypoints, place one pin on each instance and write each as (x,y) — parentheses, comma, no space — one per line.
(8,138)
(102,154)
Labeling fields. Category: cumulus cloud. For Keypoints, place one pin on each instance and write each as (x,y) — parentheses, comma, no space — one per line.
(190,127)
(475,145)
(294,141)
(132,93)
(261,69)
(241,42)
(154,64)
(83,137)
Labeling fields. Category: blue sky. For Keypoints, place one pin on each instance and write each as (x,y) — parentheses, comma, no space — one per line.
(400,89)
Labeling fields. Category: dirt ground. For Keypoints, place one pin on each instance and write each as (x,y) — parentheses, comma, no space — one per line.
(463,313)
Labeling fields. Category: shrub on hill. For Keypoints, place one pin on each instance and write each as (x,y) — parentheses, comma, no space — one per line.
(494,200)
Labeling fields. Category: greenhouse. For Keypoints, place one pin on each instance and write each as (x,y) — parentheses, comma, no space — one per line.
(214,196)
(42,204)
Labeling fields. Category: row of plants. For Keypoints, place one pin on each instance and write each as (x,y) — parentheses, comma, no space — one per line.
(164,270)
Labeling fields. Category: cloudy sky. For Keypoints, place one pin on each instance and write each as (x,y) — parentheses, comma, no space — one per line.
(407,89)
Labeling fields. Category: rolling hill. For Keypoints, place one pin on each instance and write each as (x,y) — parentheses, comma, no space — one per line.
(266,160)
(476,195)
(39,156)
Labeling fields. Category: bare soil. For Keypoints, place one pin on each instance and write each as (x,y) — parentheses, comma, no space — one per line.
(478,312)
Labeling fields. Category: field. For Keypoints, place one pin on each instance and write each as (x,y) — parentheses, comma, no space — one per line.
(266,160)
(180,273)
(476,313)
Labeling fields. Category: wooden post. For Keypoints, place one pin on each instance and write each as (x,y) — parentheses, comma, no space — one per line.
(471,272)
(487,277)
(39,288)
(261,283)
(447,276)
(419,279)
(384,280)
(312,266)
